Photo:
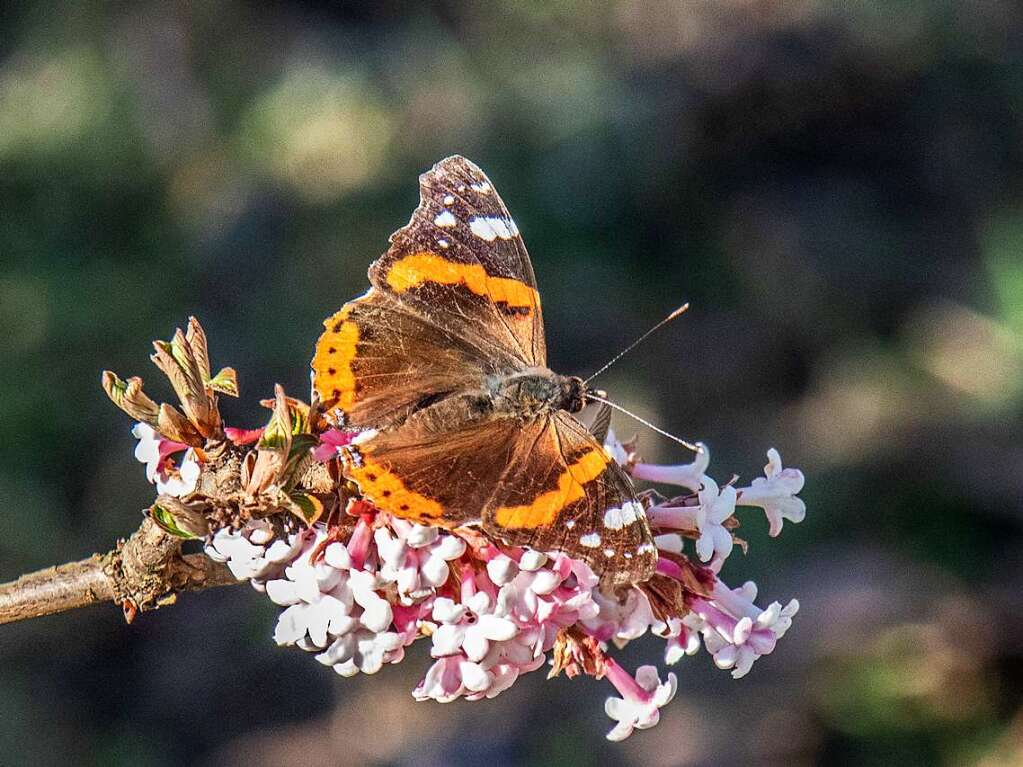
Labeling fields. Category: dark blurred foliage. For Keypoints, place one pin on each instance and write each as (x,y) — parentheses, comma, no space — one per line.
(836,186)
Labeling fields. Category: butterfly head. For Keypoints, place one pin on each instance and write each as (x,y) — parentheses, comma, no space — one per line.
(573,394)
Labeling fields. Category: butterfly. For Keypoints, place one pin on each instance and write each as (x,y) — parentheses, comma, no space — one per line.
(441,366)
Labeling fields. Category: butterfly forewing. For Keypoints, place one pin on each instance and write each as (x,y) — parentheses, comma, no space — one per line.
(461,262)
(377,361)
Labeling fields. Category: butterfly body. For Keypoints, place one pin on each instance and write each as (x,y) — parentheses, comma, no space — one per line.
(533,391)
(442,367)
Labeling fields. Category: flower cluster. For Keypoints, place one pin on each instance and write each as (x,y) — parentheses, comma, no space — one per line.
(358,591)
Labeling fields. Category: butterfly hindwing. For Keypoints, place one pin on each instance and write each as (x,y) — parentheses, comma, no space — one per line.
(439,468)
(461,263)
(545,483)
(564,493)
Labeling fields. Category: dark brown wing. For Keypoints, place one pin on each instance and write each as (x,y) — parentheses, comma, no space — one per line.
(461,264)
(565,493)
(440,467)
(380,362)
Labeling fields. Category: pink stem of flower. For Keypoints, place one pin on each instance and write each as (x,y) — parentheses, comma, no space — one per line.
(623,681)
(468,581)
(670,475)
(673,517)
(358,546)
(714,615)
(405,616)
(734,603)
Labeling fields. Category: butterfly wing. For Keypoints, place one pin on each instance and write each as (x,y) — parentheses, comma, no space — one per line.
(438,468)
(378,362)
(461,263)
(596,417)
(566,494)
(545,483)
(454,299)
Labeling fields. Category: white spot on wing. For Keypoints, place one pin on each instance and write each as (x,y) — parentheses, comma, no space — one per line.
(443,243)
(490,228)
(609,553)
(629,513)
(483,187)
(590,540)
(448,200)
(481,228)
(570,524)
(446,218)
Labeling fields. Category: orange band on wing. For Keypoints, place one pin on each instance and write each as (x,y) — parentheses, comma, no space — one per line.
(387,491)
(420,268)
(332,363)
(545,509)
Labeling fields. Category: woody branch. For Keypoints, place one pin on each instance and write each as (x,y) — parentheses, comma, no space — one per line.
(142,573)
(218,477)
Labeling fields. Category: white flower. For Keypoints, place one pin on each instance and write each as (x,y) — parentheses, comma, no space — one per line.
(641,701)
(252,554)
(451,677)
(686,641)
(183,480)
(737,632)
(502,569)
(469,627)
(320,604)
(715,507)
(620,618)
(155,451)
(690,475)
(671,542)
(362,650)
(615,449)
(776,493)
(336,609)
(147,451)
(416,558)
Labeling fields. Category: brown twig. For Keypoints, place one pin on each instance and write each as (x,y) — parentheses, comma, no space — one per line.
(142,573)
(237,483)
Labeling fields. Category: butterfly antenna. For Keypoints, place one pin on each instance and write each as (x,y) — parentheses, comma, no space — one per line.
(597,398)
(678,312)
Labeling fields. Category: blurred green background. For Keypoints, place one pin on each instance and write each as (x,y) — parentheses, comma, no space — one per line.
(835,185)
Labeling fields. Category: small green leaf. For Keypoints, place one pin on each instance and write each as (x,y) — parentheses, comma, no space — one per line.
(277,435)
(178,519)
(128,396)
(225,382)
(301,444)
(307,507)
